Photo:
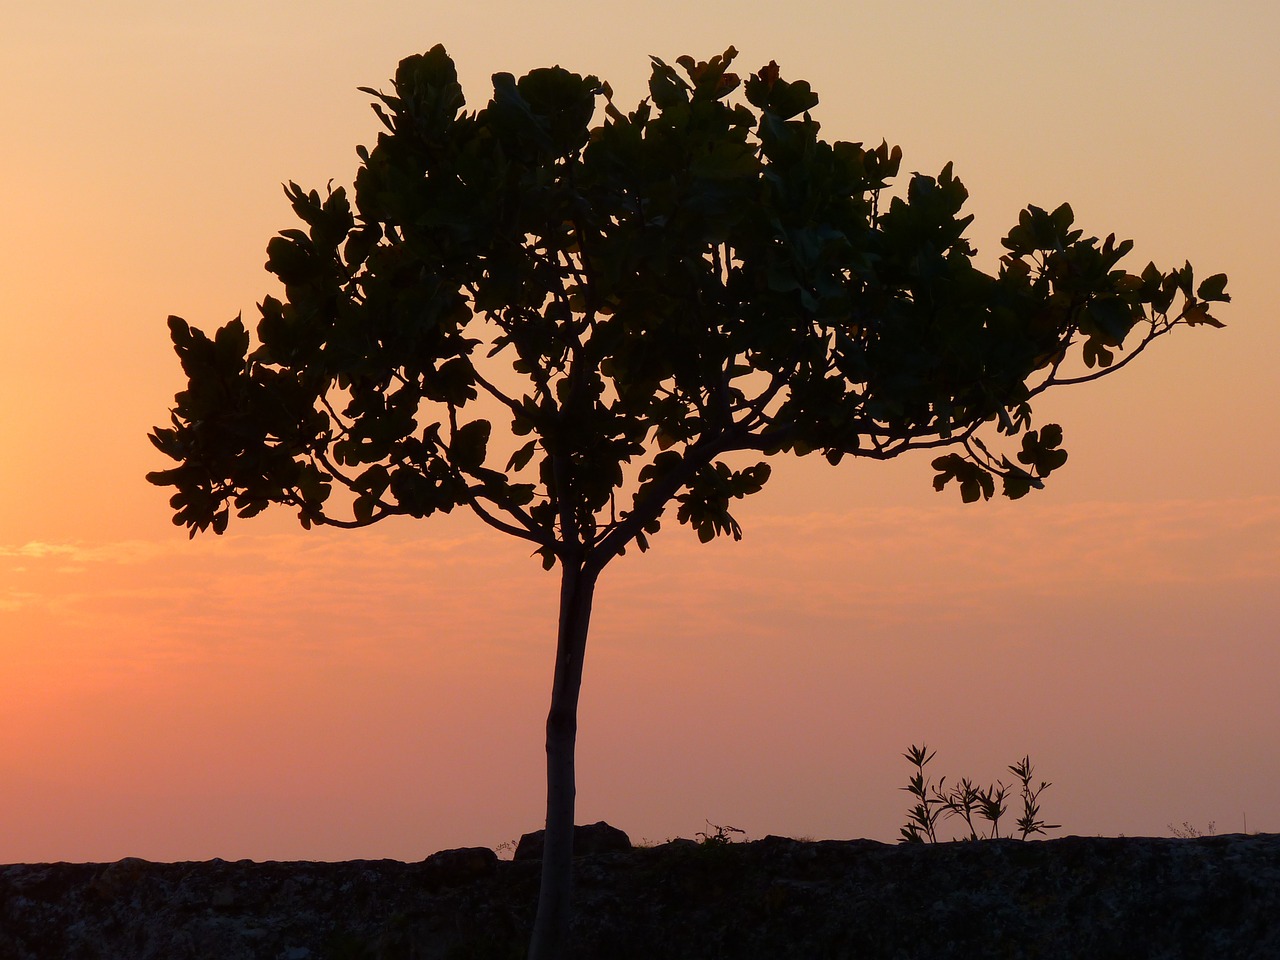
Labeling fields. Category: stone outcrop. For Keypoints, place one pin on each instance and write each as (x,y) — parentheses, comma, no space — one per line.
(588,841)
(774,898)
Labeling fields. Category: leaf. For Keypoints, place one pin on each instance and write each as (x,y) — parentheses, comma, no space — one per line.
(666,88)
(1214,288)
(521,457)
(1198,313)
(510,115)
(710,80)
(946,467)
(292,258)
(1017,483)
(768,91)
(975,482)
(1112,317)
(1096,355)
(362,509)
(468,447)
(1040,450)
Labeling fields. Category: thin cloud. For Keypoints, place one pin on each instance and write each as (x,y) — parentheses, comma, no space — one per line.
(868,566)
(1168,541)
(124,551)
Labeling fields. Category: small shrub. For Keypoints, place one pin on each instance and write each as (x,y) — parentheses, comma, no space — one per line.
(969,802)
(1189,831)
(716,835)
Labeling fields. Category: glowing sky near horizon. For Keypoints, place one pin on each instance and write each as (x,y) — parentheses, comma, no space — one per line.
(280,694)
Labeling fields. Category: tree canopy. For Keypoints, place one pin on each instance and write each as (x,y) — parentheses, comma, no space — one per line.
(645,303)
(695,277)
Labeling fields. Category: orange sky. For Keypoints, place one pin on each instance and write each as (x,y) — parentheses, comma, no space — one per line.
(327,695)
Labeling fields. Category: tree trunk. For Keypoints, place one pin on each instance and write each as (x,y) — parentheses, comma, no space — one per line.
(551,927)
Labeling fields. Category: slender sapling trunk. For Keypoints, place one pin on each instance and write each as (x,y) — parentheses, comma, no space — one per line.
(551,926)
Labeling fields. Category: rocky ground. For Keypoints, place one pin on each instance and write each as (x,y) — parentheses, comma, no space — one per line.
(774,898)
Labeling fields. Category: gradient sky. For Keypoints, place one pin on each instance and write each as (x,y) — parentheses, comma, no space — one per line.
(279,694)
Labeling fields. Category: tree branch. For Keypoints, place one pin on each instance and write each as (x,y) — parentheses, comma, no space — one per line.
(647,510)
(533,533)
(497,394)
(326,521)
(1052,380)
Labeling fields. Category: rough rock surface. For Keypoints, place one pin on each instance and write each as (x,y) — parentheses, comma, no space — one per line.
(772,898)
(588,840)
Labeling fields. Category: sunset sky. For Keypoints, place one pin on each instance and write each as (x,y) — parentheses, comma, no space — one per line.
(282,694)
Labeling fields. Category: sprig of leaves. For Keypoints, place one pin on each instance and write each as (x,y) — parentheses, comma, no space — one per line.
(968,802)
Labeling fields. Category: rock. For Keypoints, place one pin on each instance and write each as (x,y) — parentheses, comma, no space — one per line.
(461,865)
(119,879)
(223,897)
(588,840)
(778,899)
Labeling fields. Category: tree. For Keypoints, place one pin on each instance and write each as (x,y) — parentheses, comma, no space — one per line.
(651,302)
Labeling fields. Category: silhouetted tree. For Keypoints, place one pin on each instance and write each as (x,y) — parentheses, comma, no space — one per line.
(636,301)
